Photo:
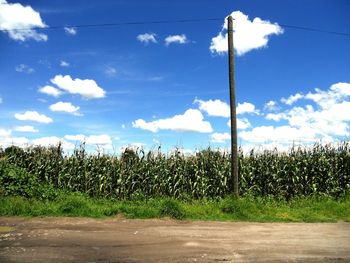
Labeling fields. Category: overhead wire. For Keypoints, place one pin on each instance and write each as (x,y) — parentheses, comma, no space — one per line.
(131,23)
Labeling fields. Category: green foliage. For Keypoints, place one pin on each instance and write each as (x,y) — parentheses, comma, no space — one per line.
(136,175)
(303,209)
(17,181)
(170,207)
(74,205)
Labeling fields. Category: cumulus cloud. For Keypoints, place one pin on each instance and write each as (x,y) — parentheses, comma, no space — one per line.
(78,137)
(20,21)
(64,63)
(52,141)
(248,34)
(33,116)
(246,107)
(24,69)
(271,106)
(5,133)
(281,134)
(275,116)
(336,93)
(292,99)
(191,121)
(220,137)
(218,108)
(179,39)
(15,141)
(102,139)
(242,124)
(70,30)
(51,91)
(26,128)
(6,139)
(328,120)
(87,88)
(147,38)
(215,108)
(65,107)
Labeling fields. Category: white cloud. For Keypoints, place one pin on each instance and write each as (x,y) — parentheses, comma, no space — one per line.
(70,30)
(19,21)
(292,98)
(191,121)
(328,120)
(26,128)
(179,39)
(155,141)
(275,116)
(147,38)
(336,93)
(64,63)
(220,137)
(156,78)
(220,108)
(33,116)
(65,107)
(246,107)
(16,141)
(110,71)
(132,146)
(87,88)
(51,91)
(52,141)
(268,146)
(248,34)
(5,133)
(102,139)
(281,134)
(216,107)
(1,100)
(24,69)
(183,151)
(6,139)
(271,106)
(78,137)
(242,124)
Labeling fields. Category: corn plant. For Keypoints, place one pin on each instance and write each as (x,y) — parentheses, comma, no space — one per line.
(302,171)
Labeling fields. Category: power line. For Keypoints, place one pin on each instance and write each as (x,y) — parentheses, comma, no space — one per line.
(134,23)
(130,23)
(315,30)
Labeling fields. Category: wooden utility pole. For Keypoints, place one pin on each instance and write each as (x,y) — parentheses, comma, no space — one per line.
(234,154)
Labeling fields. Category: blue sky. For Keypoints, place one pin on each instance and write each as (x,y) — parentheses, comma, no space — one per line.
(151,84)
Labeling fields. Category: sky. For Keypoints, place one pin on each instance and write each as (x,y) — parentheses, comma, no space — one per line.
(166,84)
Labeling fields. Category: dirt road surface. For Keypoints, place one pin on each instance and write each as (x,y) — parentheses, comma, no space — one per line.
(121,240)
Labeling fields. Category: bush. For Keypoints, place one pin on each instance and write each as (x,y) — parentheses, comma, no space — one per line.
(170,207)
(75,204)
(17,181)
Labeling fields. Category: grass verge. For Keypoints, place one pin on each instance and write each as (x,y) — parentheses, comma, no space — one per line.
(303,209)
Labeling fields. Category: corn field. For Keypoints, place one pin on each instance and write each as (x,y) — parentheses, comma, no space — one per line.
(321,169)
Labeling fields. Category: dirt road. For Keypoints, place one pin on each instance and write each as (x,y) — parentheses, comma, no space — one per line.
(120,240)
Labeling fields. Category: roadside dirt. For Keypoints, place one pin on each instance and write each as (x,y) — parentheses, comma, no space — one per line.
(121,240)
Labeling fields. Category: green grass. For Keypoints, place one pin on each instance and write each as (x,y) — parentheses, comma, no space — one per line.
(307,209)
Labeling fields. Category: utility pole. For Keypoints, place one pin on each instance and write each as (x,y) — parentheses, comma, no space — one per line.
(234,154)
